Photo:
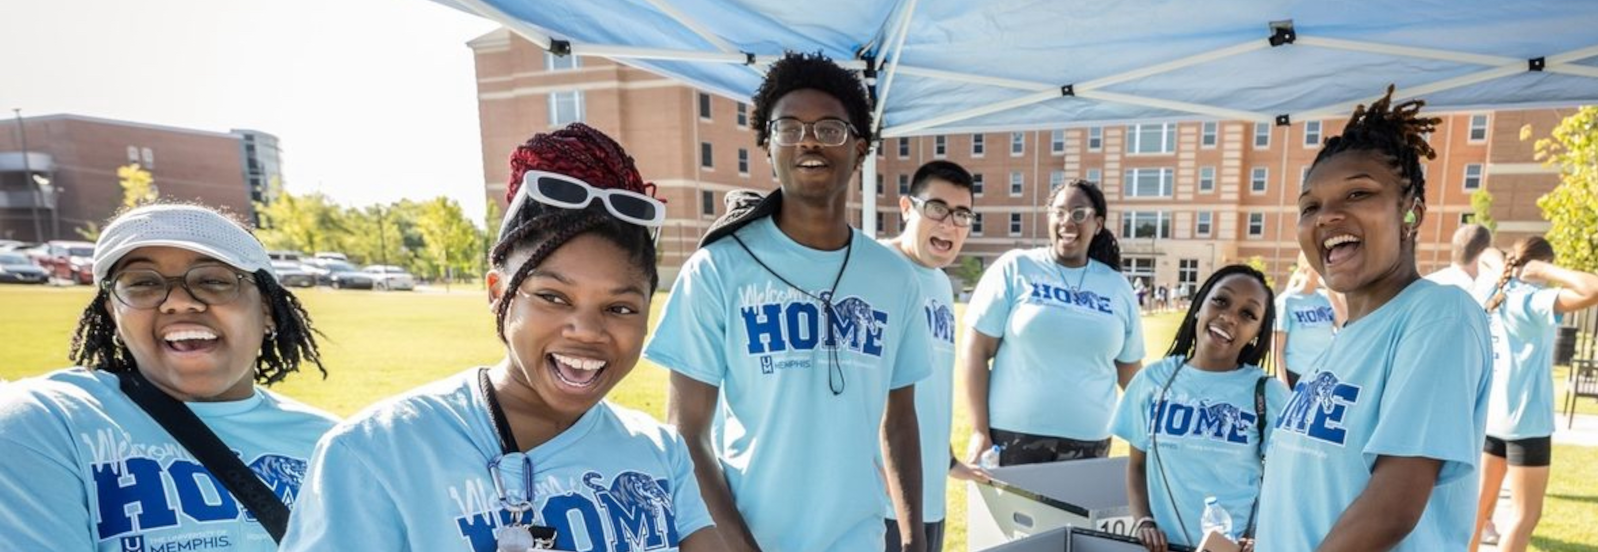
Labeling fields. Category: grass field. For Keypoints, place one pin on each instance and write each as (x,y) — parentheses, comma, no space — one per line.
(379,344)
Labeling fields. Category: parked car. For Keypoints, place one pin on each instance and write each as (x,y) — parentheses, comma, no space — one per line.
(390,277)
(339,274)
(290,274)
(294,256)
(331,255)
(17,268)
(13,245)
(66,260)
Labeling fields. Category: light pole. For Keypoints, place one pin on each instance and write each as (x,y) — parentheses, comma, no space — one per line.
(55,203)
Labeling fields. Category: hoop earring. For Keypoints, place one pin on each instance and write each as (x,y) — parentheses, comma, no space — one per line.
(271,334)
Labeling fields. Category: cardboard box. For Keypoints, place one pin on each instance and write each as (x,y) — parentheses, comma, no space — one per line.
(1032,499)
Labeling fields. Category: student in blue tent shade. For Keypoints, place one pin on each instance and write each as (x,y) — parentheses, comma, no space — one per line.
(1305,322)
(792,340)
(937,220)
(527,453)
(1525,313)
(1395,410)
(1198,419)
(187,324)
(1061,327)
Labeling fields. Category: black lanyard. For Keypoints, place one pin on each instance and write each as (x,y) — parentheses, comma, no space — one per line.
(507,439)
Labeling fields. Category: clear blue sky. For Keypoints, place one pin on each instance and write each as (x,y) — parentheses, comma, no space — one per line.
(374,100)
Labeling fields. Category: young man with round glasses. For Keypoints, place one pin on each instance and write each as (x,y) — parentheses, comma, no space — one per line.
(937,220)
(793,340)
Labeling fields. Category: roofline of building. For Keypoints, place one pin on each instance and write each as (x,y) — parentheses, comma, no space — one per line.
(496,39)
(132,124)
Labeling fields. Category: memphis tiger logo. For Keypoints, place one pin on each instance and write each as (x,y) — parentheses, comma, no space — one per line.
(1212,421)
(634,513)
(799,325)
(940,321)
(140,494)
(1082,299)
(1319,408)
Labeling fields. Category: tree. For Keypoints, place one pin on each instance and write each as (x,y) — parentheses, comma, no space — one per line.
(306,223)
(1572,207)
(138,186)
(450,241)
(1481,208)
(968,270)
(1258,263)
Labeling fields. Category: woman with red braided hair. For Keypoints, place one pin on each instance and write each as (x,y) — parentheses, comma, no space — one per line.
(525,454)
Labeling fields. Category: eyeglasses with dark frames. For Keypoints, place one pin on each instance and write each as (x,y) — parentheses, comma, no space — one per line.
(937,210)
(145,288)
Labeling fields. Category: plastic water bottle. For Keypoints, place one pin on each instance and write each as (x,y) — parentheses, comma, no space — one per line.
(1215,518)
(989,459)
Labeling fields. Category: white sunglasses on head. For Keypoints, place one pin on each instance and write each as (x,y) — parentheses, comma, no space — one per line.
(566,192)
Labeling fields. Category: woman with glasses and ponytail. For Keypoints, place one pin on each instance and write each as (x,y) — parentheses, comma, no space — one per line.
(1060,325)
(164,434)
(1524,313)
(526,454)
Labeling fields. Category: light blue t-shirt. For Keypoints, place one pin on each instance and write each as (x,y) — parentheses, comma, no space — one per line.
(86,469)
(1207,441)
(1523,330)
(1410,379)
(934,395)
(1309,322)
(411,474)
(799,459)
(1061,331)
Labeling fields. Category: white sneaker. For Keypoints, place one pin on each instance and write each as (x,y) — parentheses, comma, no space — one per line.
(1489,534)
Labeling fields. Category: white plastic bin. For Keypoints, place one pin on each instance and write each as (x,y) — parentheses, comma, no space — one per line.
(1036,498)
(1076,539)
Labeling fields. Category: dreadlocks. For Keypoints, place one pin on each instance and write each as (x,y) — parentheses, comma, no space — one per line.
(796,71)
(1104,248)
(1397,133)
(95,343)
(581,152)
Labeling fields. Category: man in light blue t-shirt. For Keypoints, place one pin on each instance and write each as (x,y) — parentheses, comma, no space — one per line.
(792,340)
(937,219)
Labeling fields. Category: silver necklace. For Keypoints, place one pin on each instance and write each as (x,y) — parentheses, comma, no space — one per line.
(1079,279)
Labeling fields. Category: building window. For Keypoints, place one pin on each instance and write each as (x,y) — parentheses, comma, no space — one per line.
(1207,134)
(976,225)
(1095,138)
(565,108)
(1148,182)
(1017,183)
(743,115)
(1146,224)
(1015,224)
(1151,138)
(881,188)
(1017,144)
(1256,225)
(940,145)
(1187,272)
(1095,176)
(705,159)
(976,184)
(133,154)
(704,106)
(1206,179)
(882,224)
(1478,127)
(707,203)
(979,145)
(1472,176)
(149,157)
(1056,178)
(743,161)
(1257,180)
(904,184)
(1138,268)
(1262,135)
(1312,134)
(1057,141)
(561,63)
(904,148)
(1205,223)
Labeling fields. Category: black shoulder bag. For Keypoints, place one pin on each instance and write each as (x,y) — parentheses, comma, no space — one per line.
(1259,448)
(200,441)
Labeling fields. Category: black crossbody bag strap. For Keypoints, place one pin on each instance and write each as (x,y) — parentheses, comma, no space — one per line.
(200,441)
(1259,448)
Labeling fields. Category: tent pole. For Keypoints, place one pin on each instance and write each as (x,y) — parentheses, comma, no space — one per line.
(868,194)
(897,52)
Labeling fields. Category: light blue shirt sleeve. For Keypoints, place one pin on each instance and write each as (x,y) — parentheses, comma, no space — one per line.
(991,301)
(1131,419)
(1534,309)
(689,337)
(913,362)
(689,505)
(342,506)
(1428,409)
(1282,319)
(46,507)
(1132,347)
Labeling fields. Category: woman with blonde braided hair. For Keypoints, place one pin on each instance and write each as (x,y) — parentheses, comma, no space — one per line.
(1524,313)
(525,454)
(1381,424)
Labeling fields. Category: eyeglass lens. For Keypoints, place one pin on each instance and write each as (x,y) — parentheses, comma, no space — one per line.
(938,210)
(145,288)
(828,132)
(1078,215)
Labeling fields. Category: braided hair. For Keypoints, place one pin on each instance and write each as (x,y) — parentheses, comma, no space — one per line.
(1528,249)
(581,152)
(95,344)
(1255,352)
(798,71)
(1104,248)
(1395,132)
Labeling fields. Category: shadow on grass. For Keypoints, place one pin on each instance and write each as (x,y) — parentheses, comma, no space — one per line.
(1556,545)
(1576,498)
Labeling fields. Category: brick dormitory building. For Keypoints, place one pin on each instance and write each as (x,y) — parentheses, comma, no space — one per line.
(1185,197)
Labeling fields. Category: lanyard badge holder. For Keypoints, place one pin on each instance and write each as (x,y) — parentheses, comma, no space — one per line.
(515,466)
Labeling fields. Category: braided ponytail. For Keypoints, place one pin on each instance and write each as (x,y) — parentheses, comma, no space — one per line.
(1528,249)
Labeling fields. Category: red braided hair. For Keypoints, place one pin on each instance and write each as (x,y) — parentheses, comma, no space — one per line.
(577,151)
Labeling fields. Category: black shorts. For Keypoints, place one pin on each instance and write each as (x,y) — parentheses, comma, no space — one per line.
(933,535)
(1534,452)
(1016,448)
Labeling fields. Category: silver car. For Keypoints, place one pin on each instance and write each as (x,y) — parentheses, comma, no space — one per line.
(386,277)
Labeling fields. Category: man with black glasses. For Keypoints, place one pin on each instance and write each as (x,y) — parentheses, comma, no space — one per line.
(805,332)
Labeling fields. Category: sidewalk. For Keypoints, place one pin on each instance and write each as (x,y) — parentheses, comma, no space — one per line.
(1584,433)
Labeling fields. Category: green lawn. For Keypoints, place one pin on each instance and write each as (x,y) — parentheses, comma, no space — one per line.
(379,344)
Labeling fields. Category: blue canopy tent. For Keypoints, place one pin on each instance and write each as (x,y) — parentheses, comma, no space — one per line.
(963,66)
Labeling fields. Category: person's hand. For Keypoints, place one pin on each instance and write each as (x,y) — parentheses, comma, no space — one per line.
(1246,545)
(968,472)
(980,441)
(1150,534)
(1532,273)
